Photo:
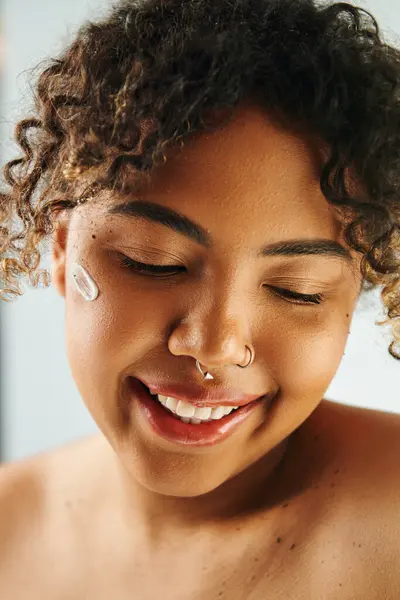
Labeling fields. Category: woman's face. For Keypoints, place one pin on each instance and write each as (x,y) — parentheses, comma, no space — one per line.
(248,185)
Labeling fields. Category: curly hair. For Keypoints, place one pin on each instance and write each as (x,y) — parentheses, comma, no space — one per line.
(145,78)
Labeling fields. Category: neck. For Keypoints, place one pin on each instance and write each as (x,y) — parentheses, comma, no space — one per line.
(160,516)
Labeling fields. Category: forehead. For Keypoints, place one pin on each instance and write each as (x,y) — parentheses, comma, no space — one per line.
(250,168)
(252,181)
(251,142)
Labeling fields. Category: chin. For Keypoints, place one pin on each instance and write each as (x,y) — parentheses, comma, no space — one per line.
(178,486)
(172,482)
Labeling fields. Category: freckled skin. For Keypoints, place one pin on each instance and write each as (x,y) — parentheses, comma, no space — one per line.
(282,508)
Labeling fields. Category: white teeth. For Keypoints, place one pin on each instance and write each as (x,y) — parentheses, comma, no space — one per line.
(184,409)
(189,413)
(217,412)
(170,403)
(203,413)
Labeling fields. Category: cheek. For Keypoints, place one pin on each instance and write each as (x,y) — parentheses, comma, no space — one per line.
(101,343)
(105,337)
(90,328)
(309,354)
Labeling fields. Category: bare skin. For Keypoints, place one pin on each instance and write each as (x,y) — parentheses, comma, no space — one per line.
(301,501)
(332,533)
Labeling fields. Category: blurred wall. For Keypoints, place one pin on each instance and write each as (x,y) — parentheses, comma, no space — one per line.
(40,405)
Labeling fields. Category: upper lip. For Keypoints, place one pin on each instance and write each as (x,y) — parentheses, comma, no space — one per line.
(199,396)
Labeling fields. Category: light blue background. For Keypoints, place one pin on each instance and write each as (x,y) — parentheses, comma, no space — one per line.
(41,407)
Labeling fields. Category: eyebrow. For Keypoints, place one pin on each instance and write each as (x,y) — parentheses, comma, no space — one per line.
(156,213)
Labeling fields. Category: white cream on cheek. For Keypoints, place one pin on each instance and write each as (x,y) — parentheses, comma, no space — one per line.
(84,282)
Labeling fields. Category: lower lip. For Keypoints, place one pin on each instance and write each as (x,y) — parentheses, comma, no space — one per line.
(173,429)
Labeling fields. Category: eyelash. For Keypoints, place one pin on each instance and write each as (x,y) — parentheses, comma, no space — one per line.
(159,270)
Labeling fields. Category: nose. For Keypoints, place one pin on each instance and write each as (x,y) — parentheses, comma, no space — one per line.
(216,339)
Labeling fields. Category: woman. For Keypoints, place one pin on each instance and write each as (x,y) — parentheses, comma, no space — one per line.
(220,184)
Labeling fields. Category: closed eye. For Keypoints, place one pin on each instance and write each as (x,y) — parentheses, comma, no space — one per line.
(158,270)
(305,298)
(165,271)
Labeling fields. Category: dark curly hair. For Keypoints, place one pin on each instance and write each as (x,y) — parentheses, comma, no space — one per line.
(146,77)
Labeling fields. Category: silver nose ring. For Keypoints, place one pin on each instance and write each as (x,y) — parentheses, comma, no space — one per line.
(207,375)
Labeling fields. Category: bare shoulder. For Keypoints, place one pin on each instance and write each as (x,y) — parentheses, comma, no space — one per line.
(35,522)
(30,487)
(21,499)
(363,487)
(368,439)
(365,450)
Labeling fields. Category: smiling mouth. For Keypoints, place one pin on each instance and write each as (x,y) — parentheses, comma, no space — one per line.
(188,413)
(189,430)
(195,415)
